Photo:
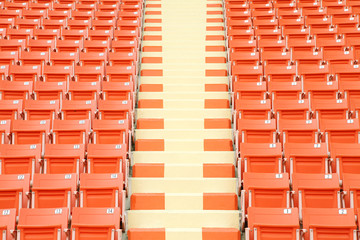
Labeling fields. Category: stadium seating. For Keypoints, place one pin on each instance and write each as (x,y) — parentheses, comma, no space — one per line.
(218,119)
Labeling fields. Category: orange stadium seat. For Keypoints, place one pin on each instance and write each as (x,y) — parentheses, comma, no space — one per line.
(340,130)
(102,35)
(289,90)
(64,159)
(108,158)
(122,58)
(78,109)
(11,109)
(245,58)
(54,191)
(78,24)
(117,90)
(100,222)
(109,186)
(83,12)
(75,35)
(345,158)
(25,73)
(350,185)
(261,157)
(22,23)
(49,90)
(266,190)
(130,35)
(322,90)
(298,131)
(12,45)
(93,59)
(69,45)
(308,188)
(97,46)
(30,131)
(41,109)
(14,192)
(59,15)
(249,90)
(20,159)
(9,58)
(291,109)
(19,34)
(111,132)
(273,223)
(31,13)
(253,109)
(306,158)
(257,131)
(276,58)
(115,110)
(247,73)
(8,222)
(331,109)
(5,131)
(49,223)
(83,90)
(64,58)
(41,45)
(71,131)
(120,74)
(89,73)
(325,223)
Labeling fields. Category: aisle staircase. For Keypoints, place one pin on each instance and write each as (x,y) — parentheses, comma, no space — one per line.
(183,184)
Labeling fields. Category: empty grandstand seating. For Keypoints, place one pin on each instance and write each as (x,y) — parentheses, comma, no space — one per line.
(55,57)
(192,109)
(297,62)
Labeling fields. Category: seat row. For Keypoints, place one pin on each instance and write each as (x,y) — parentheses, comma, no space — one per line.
(307,55)
(54,223)
(86,92)
(65,50)
(285,16)
(31,9)
(55,10)
(308,70)
(69,75)
(317,223)
(317,109)
(31,73)
(67,131)
(67,34)
(309,91)
(295,116)
(34,58)
(260,5)
(304,158)
(303,190)
(297,131)
(62,190)
(120,111)
(313,46)
(271,193)
(15,29)
(65,159)
(100,6)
